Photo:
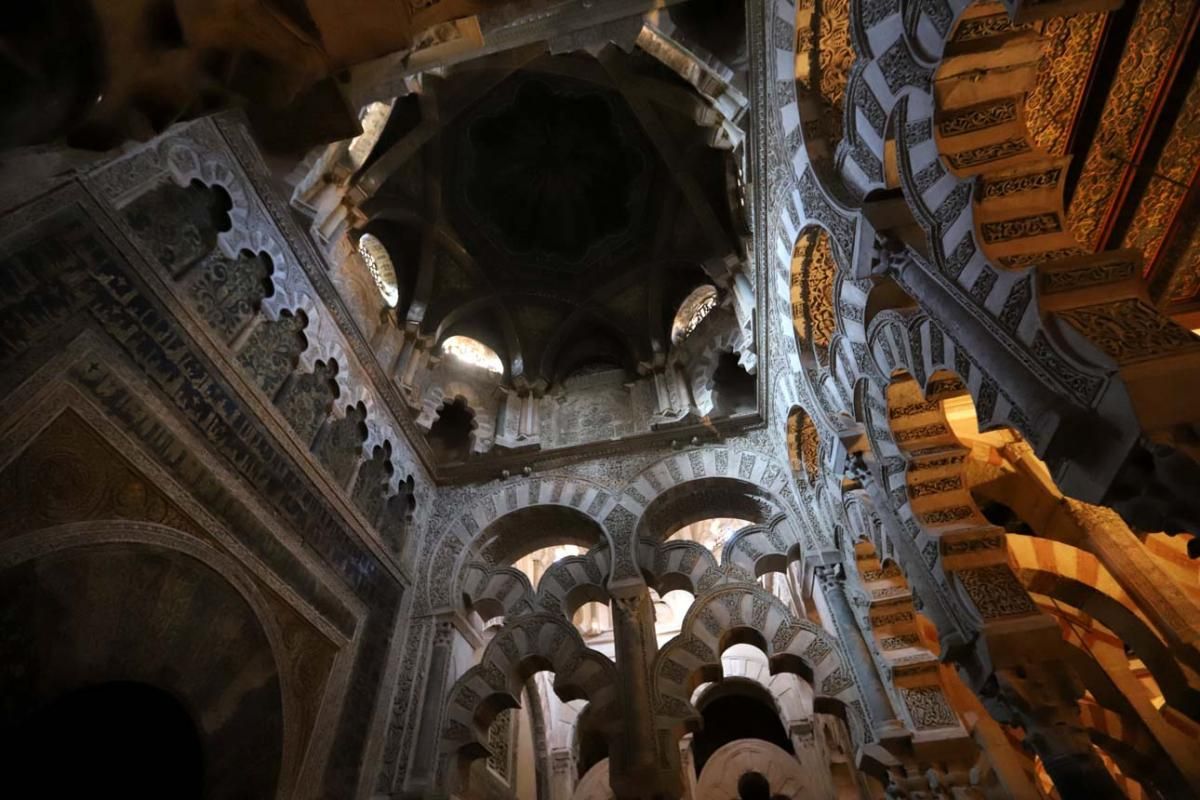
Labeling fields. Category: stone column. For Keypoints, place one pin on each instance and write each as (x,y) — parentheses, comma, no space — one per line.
(640,766)
(878,703)
(812,756)
(670,394)
(1173,613)
(687,767)
(562,777)
(531,423)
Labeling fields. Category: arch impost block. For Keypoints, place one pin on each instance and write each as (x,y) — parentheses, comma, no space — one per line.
(1018,640)
(626,586)
(1083,280)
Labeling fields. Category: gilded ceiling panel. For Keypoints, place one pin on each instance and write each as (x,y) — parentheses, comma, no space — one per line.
(1157,32)
(1051,107)
(1185,283)
(1166,193)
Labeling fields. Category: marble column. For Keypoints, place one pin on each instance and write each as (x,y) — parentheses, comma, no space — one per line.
(562,774)
(687,767)
(641,766)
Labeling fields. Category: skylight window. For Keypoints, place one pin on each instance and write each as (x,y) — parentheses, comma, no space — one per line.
(473,352)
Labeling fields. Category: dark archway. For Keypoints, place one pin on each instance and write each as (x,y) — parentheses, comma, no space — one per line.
(733,387)
(135,614)
(450,435)
(116,739)
(737,709)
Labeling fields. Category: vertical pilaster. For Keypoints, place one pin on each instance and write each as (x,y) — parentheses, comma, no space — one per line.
(423,767)
(887,726)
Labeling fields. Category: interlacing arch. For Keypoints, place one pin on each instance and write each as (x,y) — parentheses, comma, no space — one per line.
(747,613)
(759,549)
(523,646)
(464,537)
(892,621)
(930,489)
(496,591)
(704,483)
(1132,751)
(1075,577)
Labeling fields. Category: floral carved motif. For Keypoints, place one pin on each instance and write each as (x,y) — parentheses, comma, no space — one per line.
(1129,331)
(928,707)
(1020,227)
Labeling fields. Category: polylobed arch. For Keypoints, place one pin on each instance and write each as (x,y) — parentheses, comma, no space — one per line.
(526,530)
(574,581)
(746,613)
(760,549)
(496,591)
(792,696)
(523,646)
(685,565)
(999,243)
(814,274)
(804,446)
(465,538)
(735,708)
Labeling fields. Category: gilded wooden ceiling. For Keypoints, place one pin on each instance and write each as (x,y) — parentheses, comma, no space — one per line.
(1119,92)
(1133,128)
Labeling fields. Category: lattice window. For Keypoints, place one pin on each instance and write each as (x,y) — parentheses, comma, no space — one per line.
(692,311)
(383,272)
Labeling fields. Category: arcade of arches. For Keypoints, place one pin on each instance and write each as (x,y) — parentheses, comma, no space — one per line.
(573,400)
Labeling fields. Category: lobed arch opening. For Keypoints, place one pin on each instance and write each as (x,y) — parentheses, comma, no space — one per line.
(451,436)
(813,279)
(804,447)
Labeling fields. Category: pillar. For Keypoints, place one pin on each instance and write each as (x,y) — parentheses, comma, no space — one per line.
(642,764)
(687,767)
(1109,538)
(813,757)
(562,774)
